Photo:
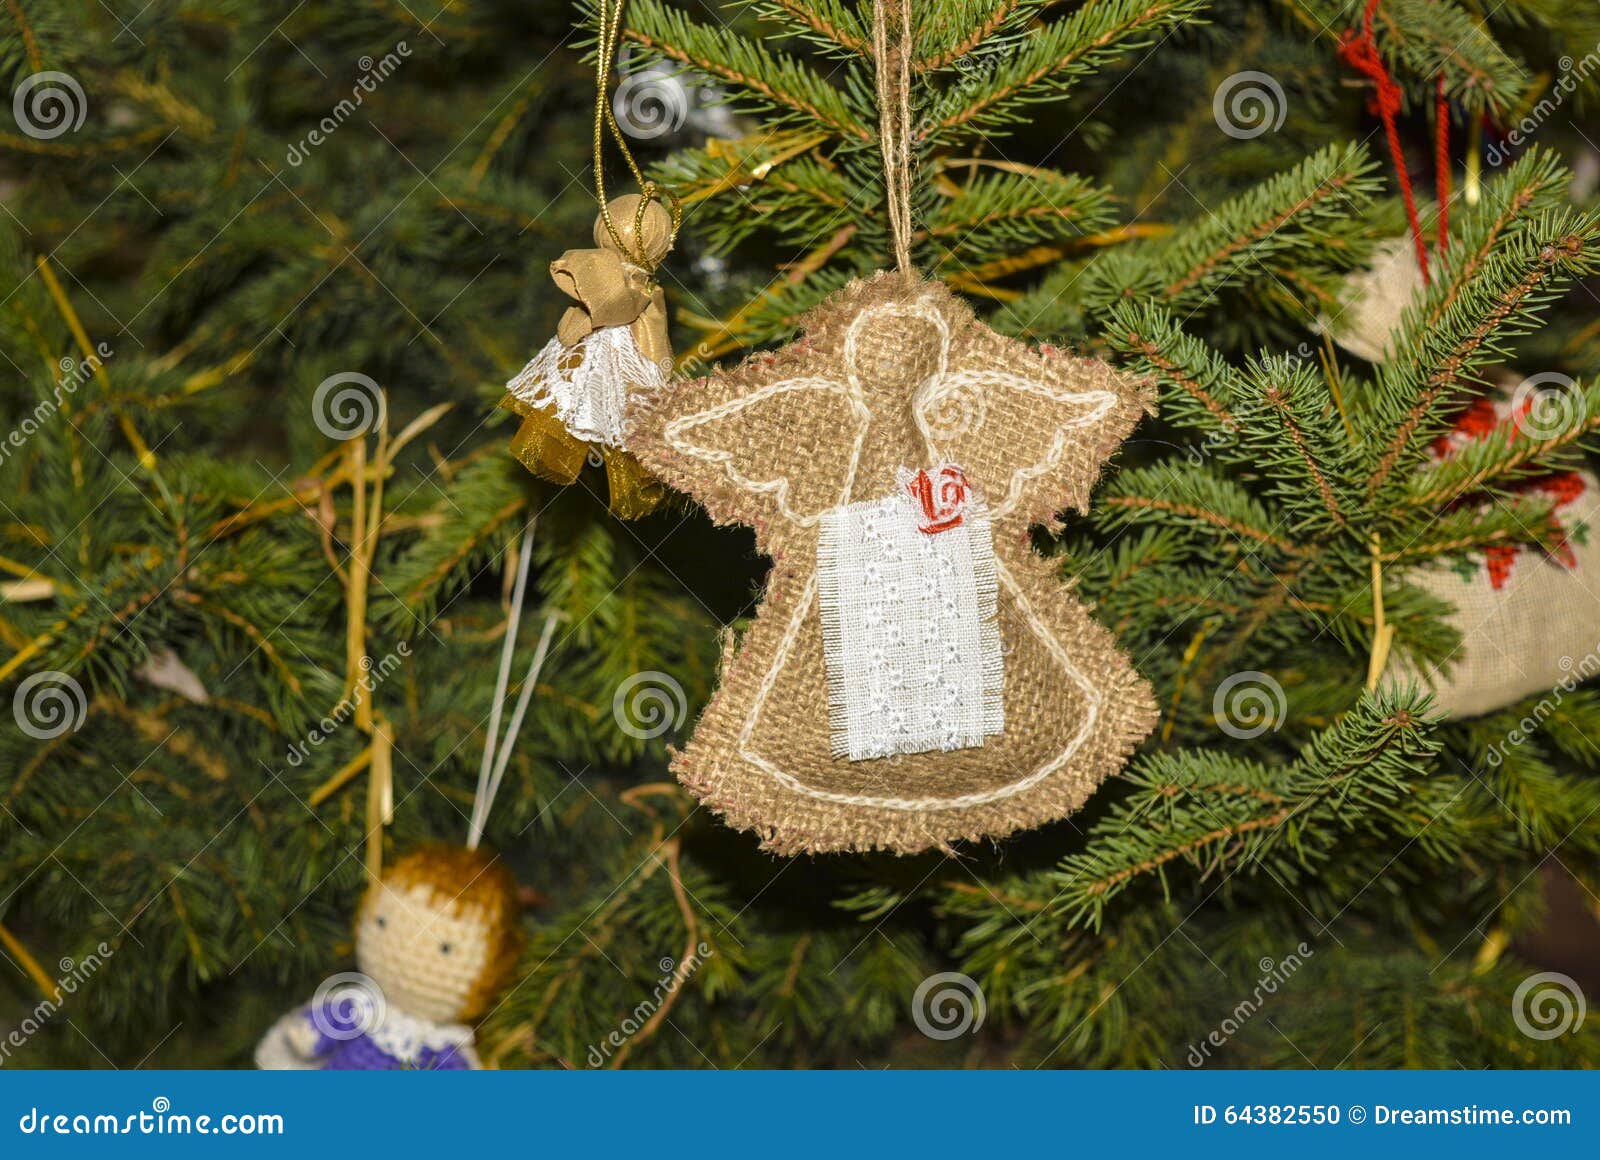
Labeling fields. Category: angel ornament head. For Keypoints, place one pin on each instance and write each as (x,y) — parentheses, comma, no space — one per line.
(610,343)
(915,674)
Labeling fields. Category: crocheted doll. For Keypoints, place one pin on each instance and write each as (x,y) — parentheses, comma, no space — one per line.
(436,940)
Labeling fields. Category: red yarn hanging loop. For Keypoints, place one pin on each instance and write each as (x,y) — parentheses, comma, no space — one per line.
(1441,161)
(1360,52)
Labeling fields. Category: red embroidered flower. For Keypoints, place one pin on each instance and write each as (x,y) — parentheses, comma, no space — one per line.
(942,496)
(1480,421)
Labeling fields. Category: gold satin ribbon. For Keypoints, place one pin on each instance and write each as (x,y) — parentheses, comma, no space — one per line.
(635,493)
(609,291)
(612,285)
(545,447)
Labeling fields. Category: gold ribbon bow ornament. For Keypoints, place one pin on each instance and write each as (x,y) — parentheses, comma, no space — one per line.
(610,343)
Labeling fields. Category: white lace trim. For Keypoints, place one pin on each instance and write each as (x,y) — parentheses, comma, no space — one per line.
(587,384)
(910,628)
(405,1037)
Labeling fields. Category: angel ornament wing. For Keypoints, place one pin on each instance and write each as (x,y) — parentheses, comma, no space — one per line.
(915,674)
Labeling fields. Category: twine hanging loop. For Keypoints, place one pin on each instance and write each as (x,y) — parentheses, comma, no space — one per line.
(892,42)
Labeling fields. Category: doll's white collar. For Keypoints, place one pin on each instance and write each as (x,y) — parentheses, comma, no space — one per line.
(405,1037)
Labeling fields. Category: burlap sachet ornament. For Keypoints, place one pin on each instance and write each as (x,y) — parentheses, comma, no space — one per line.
(915,674)
(1529,619)
(1373,300)
(610,343)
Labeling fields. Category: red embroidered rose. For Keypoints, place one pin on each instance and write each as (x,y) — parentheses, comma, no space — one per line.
(942,495)
(1481,420)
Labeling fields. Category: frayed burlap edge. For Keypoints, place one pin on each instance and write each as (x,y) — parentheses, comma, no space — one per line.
(713,765)
(791,823)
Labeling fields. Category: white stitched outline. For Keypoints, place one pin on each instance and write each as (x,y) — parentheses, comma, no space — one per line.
(919,309)
(932,389)
(939,385)
(779,488)
(922,805)
(851,390)
(936,389)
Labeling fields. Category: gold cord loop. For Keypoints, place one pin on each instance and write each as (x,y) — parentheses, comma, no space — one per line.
(610,33)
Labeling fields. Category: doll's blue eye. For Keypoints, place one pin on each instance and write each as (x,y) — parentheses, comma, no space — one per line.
(382,922)
(444,948)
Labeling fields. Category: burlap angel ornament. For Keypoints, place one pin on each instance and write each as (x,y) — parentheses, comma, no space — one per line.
(611,342)
(915,674)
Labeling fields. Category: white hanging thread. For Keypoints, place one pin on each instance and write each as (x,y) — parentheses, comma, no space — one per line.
(587,384)
(491,771)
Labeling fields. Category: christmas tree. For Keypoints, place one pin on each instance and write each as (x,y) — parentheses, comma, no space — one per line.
(268,271)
